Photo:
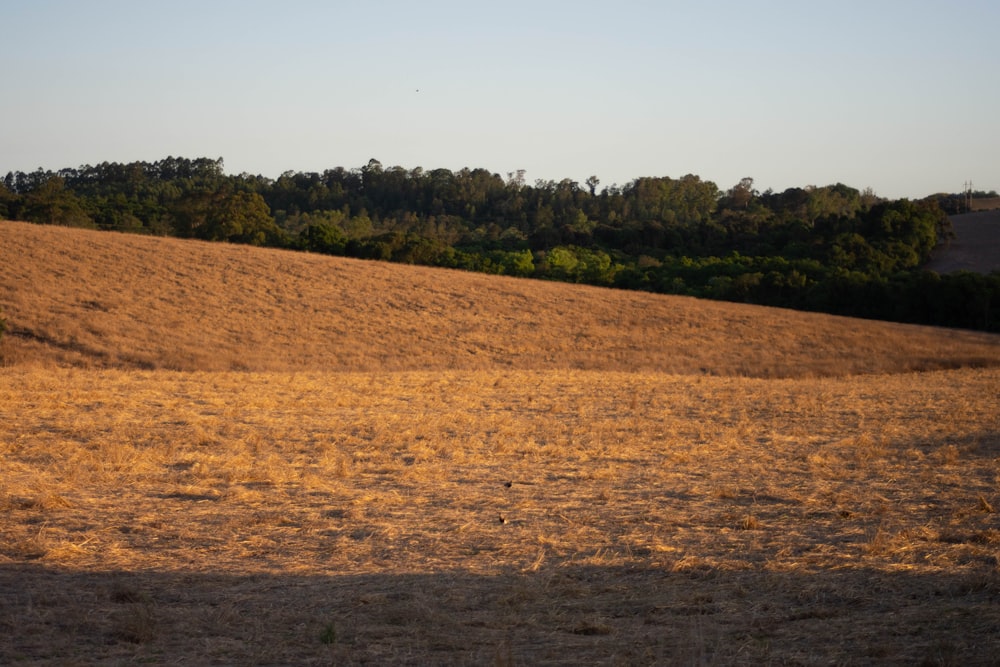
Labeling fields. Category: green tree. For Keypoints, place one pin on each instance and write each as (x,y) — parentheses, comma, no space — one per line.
(740,195)
(512,263)
(240,217)
(53,204)
(8,202)
(323,237)
(562,263)
(189,212)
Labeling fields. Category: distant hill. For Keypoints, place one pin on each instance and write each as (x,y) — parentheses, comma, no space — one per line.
(103,299)
(976,246)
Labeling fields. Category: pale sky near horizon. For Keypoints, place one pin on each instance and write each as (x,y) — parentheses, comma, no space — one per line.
(900,96)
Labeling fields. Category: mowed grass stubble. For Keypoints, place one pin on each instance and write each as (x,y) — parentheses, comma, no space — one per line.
(525,512)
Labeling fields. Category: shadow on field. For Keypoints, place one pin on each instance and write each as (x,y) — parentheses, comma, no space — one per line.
(561,615)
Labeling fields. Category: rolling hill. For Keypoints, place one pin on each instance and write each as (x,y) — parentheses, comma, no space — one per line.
(101,299)
(231,455)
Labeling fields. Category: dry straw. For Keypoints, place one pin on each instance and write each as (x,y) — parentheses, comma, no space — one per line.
(663,500)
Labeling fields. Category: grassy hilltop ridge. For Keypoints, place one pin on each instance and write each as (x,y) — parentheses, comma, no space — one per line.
(229,455)
(102,299)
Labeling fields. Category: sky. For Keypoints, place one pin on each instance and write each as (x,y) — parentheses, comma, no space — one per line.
(898,96)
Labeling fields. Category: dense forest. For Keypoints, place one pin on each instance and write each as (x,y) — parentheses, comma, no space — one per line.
(833,249)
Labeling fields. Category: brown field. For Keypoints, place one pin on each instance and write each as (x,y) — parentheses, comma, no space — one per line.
(224,455)
(95,300)
(976,246)
(986,204)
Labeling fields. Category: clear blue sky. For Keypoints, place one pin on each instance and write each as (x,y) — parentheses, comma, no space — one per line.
(900,96)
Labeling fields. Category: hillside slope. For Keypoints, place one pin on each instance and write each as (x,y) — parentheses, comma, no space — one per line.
(976,246)
(84,298)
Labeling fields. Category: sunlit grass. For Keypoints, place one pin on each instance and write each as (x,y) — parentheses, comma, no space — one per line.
(102,299)
(405,474)
(425,467)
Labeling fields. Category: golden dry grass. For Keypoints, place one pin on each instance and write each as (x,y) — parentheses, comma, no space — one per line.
(316,515)
(111,300)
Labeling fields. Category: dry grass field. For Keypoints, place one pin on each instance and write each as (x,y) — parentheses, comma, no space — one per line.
(226,455)
(986,204)
(110,300)
(976,246)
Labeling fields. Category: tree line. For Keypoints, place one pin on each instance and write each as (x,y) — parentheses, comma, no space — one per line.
(833,249)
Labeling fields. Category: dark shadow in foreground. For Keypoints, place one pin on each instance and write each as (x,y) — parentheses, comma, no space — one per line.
(565,614)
